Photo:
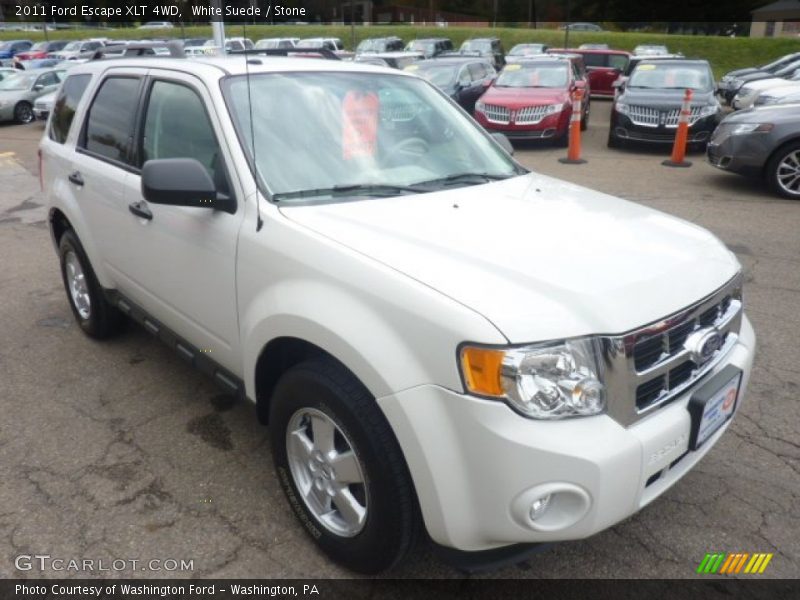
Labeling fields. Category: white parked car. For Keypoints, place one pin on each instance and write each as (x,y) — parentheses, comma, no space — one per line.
(436,337)
(272,43)
(749,92)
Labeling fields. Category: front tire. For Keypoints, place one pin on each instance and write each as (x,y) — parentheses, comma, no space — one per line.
(341,467)
(783,171)
(94,314)
(23,113)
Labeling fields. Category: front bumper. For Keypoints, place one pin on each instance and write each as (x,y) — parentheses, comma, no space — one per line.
(624,129)
(744,154)
(41,113)
(550,127)
(477,465)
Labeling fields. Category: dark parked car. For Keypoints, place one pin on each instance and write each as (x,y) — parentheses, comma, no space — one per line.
(379,45)
(761,142)
(41,49)
(430,47)
(726,84)
(532,100)
(394,60)
(603,67)
(464,79)
(488,48)
(11,48)
(648,108)
(732,87)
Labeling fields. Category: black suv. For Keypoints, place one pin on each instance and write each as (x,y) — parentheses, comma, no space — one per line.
(462,78)
(430,47)
(379,45)
(489,48)
(649,104)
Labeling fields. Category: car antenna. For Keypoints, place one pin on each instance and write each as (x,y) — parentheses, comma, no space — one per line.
(259,220)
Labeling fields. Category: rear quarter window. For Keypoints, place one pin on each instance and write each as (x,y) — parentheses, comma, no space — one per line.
(590,59)
(65,105)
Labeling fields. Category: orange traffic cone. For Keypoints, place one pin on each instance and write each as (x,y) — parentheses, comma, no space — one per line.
(574,150)
(678,158)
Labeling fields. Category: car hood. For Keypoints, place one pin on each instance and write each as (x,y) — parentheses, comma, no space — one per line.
(517,97)
(755,75)
(539,257)
(663,98)
(764,84)
(739,72)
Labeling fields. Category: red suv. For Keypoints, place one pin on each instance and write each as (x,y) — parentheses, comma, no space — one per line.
(532,100)
(603,66)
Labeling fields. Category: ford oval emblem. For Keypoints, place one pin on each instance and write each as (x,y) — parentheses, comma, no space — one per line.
(703,344)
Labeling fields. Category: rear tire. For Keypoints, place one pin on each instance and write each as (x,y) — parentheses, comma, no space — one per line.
(23,113)
(364,517)
(95,315)
(783,171)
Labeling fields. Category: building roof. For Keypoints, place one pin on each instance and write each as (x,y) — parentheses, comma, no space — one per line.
(779,6)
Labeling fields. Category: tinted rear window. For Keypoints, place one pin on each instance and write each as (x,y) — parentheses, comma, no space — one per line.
(109,126)
(65,105)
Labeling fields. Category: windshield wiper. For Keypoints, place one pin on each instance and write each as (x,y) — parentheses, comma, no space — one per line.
(467,177)
(357,189)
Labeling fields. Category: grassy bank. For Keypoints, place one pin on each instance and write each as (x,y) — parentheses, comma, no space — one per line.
(723,53)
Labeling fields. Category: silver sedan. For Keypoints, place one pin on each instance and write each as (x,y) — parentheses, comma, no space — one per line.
(761,142)
(19,91)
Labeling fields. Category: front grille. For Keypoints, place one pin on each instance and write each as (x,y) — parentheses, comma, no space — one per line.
(651,366)
(646,116)
(530,115)
(497,114)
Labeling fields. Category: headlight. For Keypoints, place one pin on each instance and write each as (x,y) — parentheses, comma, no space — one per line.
(745,91)
(480,106)
(621,108)
(554,108)
(551,381)
(710,109)
(745,128)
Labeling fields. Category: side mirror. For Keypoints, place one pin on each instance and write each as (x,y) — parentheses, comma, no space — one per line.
(501,139)
(182,182)
(38,87)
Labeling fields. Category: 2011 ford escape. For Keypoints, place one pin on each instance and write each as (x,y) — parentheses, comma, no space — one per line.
(435,336)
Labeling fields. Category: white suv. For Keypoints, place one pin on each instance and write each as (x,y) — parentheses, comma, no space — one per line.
(435,336)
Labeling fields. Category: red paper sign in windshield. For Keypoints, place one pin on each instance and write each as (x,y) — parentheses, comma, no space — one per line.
(359,124)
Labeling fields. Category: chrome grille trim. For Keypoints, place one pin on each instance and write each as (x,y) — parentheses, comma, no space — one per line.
(622,378)
(530,115)
(646,116)
(497,114)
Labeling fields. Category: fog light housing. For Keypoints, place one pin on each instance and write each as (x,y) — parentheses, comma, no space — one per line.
(539,506)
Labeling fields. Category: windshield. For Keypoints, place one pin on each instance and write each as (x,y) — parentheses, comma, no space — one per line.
(666,76)
(650,50)
(370,46)
(20,81)
(534,76)
(319,134)
(476,46)
(788,69)
(72,46)
(39,46)
(527,49)
(439,75)
(424,47)
(316,43)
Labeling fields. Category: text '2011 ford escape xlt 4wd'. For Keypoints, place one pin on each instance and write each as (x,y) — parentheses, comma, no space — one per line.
(440,341)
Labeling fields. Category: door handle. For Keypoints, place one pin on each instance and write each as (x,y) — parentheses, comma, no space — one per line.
(140,210)
(76,178)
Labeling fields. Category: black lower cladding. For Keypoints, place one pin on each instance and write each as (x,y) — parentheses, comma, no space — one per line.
(488,560)
(194,356)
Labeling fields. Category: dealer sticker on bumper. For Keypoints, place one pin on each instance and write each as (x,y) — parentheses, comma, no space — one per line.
(713,404)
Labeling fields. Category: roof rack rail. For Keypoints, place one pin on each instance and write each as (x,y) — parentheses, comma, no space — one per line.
(138,49)
(323,52)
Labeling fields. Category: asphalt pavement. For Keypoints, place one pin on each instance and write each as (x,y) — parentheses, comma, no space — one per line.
(119,451)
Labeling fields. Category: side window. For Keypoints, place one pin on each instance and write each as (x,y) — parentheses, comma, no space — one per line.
(591,59)
(477,71)
(176,125)
(618,61)
(464,76)
(575,74)
(285,44)
(65,105)
(109,126)
(47,80)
